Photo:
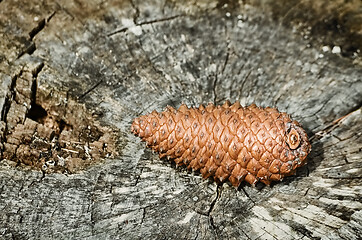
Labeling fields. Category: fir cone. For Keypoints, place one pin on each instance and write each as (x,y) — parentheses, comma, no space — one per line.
(227,142)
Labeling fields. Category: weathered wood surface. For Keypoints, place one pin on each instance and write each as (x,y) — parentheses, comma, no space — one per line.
(126,58)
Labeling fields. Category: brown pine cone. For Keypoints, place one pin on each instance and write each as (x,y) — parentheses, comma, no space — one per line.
(228,142)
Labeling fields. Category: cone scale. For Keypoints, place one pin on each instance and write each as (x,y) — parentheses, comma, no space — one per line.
(227,142)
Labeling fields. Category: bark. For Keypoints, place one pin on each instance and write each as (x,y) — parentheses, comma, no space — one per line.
(73,75)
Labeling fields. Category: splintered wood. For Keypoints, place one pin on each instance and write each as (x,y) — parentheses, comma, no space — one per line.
(50,133)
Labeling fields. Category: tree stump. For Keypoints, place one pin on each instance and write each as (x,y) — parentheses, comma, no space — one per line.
(74,74)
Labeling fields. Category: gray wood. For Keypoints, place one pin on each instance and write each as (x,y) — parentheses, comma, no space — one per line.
(125,58)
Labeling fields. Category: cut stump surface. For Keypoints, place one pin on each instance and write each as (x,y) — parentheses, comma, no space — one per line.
(74,74)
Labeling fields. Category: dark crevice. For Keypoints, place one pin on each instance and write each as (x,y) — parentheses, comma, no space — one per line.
(306,192)
(29,50)
(37,29)
(33,88)
(246,193)
(330,127)
(4,112)
(124,29)
(137,14)
(7,102)
(63,125)
(212,205)
(355,108)
(117,31)
(37,70)
(218,194)
(222,72)
(51,16)
(211,219)
(10,98)
(138,176)
(225,63)
(37,113)
(214,88)
(42,176)
(339,139)
(158,20)
(244,81)
(143,215)
(34,85)
(90,89)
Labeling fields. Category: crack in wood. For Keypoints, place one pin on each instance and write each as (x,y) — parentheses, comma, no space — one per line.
(221,73)
(137,11)
(204,34)
(47,136)
(124,29)
(143,214)
(30,49)
(90,89)
(246,193)
(51,16)
(8,99)
(212,205)
(37,29)
(4,113)
(160,20)
(335,124)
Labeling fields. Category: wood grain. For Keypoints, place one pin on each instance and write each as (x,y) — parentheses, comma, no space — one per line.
(122,59)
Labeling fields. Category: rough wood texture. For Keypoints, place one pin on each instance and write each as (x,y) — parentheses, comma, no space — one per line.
(122,59)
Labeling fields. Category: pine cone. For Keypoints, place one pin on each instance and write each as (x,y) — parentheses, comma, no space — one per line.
(228,142)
